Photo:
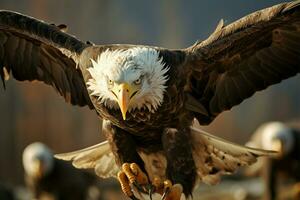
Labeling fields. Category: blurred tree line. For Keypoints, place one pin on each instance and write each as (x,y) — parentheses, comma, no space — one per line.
(34,112)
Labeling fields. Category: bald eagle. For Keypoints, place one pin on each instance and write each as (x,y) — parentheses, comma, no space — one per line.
(50,178)
(149,96)
(284,138)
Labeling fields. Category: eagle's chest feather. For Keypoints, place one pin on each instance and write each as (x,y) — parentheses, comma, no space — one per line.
(139,121)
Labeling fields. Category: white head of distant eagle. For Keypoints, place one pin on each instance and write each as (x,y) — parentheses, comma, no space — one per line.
(38,160)
(128,79)
(278,137)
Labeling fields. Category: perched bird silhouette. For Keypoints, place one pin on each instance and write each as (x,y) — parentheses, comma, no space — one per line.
(50,178)
(284,139)
(149,96)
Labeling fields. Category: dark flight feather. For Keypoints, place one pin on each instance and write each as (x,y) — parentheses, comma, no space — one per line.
(246,56)
(33,50)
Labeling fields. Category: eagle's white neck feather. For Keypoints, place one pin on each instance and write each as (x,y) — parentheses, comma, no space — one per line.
(128,65)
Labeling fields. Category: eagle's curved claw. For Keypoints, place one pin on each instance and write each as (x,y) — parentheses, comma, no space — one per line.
(151,189)
(166,192)
(132,175)
(167,184)
(173,193)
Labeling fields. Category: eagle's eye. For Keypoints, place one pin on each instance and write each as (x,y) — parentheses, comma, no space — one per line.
(137,81)
(110,82)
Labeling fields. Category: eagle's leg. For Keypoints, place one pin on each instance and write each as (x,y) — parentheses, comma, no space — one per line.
(124,149)
(125,185)
(181,168)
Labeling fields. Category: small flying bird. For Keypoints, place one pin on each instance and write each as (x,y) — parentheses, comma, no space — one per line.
(149,96)
(284,139)
(50,178)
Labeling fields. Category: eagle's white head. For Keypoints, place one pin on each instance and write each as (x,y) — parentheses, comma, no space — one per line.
(278,137)
(129,79)
(37,160)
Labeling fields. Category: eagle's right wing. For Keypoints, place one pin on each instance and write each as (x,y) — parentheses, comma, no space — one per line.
(31,49)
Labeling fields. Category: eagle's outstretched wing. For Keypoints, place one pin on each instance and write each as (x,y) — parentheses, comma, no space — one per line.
(33,50)
(246,56)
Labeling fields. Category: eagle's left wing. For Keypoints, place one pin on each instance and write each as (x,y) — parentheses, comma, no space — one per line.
(237,60)
(98,157)
(215,156)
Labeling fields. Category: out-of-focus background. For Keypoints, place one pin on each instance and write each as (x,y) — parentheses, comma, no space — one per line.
(34,112)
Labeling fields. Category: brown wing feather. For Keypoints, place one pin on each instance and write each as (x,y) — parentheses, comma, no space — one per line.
(33,50)
(215,156)
(246,56)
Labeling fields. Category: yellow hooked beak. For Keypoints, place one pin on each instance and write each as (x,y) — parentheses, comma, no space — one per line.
(38,168)
(123,93)
(277,146)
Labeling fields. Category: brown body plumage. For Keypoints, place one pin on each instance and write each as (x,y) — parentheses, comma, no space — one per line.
(203,80)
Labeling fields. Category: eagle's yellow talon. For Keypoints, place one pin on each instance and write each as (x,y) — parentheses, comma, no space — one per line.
(127,170)
(157,183)
(141,177)
(166,189)
(174,193)
(125,185)
(135,168)
(134,174)
(124,182)
(167,184)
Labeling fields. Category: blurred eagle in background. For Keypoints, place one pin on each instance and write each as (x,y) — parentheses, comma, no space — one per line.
(285,139)
(148,97)
(53,179)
